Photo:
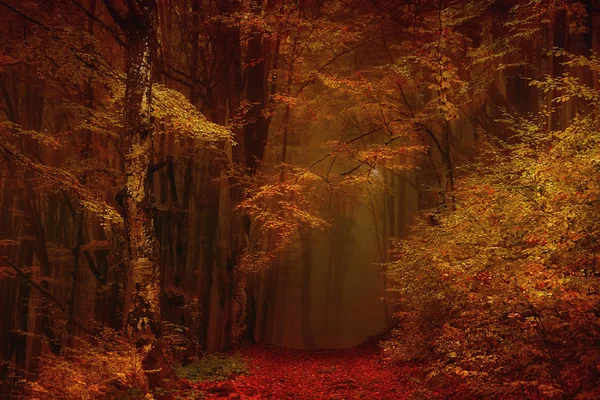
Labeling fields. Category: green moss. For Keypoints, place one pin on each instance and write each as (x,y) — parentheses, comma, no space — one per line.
(160,393)
(213,367)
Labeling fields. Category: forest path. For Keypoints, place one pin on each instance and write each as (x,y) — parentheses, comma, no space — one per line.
(282,373)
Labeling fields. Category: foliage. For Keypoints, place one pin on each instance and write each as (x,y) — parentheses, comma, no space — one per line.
(282,373)
(212,368)
(174,110)
(63,180)
(281,208)
(503,292)
(91,370)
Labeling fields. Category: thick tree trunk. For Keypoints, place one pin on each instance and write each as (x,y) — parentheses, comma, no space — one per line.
(142,323)
(142,311)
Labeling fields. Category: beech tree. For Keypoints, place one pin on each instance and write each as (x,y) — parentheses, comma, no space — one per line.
(142,303)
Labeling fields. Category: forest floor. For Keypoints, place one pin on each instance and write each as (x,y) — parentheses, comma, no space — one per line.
(283,373)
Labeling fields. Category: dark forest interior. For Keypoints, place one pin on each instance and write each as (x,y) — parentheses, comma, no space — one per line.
(312,199)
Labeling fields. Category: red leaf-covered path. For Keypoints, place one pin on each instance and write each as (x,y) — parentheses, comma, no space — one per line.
(281,373)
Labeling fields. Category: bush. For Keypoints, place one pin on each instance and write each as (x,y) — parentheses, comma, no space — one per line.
(107,368)
(504,293)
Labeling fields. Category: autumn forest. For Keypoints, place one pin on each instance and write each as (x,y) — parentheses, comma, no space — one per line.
(299,199)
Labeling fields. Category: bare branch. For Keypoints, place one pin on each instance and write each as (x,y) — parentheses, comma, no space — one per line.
(24,15)
(44,292)
(118,15)
(100,22)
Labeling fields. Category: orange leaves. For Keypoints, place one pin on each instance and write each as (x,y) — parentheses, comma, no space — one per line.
(279,209)
(89,371)
(356,84)
(282,206)
(289,101)
(377,155)
(49,140)
(512,266)
(387,157)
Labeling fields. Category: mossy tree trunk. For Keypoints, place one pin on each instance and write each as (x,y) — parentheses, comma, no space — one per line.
(142,307)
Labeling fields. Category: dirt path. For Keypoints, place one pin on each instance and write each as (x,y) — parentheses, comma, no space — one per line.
(281,373)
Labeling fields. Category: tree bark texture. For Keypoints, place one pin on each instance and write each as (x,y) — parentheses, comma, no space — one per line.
(142,302)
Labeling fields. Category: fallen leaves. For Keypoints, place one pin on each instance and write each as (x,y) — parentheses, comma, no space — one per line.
(283,373)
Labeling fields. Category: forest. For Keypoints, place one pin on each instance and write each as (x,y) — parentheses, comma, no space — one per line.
(299,199)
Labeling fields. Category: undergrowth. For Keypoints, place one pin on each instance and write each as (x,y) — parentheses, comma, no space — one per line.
(212,368)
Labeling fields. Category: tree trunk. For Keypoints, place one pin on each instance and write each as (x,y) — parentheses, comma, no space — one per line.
(306,309)
(142,323)
(142,311)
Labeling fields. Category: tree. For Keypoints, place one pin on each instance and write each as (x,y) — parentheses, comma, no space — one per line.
(142,307)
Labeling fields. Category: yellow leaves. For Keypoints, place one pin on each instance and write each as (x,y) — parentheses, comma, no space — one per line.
(387,157)
(88,371)
(567,87)
(354,84)
(102,122)
(41,137)
(279,209)
(169,107)
(178,115)
(520,245)
(63,180)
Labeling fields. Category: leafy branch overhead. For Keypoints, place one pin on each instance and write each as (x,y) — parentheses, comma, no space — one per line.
(179,116)
(62,180)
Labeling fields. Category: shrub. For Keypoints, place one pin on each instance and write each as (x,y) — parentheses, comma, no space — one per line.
(106,368)
(503,294)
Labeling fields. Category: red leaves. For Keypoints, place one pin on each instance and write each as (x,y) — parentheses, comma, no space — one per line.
(282,373)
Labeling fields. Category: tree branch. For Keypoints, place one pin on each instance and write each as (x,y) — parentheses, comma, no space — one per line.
(348,50)
(103,24)
(24,15)
(134,7)
(119,17)
(44,292)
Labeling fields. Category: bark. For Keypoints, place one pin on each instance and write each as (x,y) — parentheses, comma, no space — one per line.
(77,212)
(306,306)
(25,105)
(77,240)
(142,323)
(341,239)
(223,100)
(143,314)
(255,132)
